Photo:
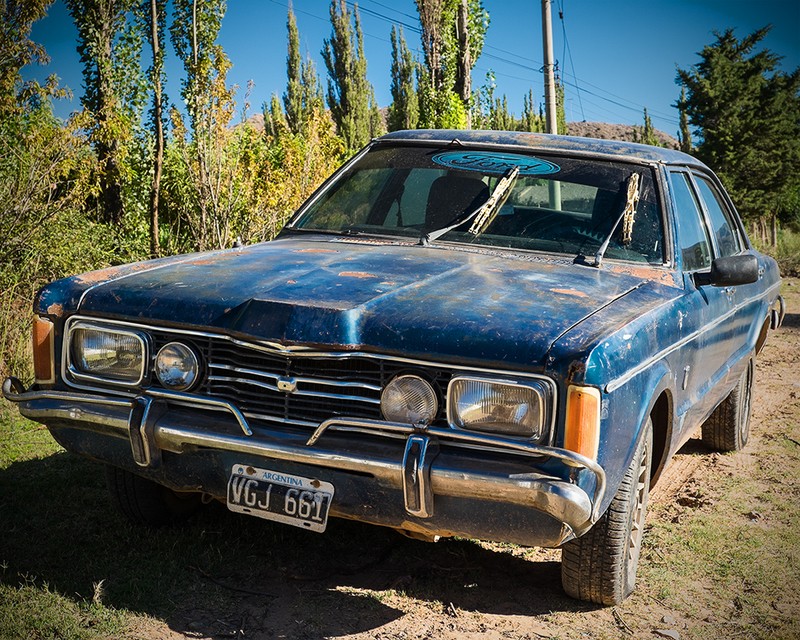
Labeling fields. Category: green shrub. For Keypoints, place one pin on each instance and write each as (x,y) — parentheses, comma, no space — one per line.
(45,179)
(787,253)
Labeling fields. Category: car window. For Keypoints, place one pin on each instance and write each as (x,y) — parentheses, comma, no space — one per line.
(693,240)
(724,229)
(556,204)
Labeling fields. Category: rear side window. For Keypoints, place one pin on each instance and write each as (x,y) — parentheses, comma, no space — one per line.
(693,241)
(723,227)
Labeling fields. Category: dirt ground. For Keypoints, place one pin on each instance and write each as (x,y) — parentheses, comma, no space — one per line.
(366,584)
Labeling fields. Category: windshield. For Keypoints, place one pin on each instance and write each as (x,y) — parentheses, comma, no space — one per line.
(556,204)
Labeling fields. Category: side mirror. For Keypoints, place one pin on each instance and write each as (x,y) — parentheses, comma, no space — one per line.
(730,272)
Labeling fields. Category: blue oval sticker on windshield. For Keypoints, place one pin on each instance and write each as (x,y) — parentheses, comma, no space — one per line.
(490,162)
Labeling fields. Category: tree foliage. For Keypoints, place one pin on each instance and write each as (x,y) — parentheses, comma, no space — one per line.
(746,118)
(453,33)
(18,50)
(303,93)
(490,111)
(351,98)
(647,134)
(152,18)
(109,45)
(404,110)
(684,134)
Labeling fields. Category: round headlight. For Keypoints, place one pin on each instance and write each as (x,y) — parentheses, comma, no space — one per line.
(410,400)
(177,366)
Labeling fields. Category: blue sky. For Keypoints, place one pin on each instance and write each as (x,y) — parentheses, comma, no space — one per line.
(616,56)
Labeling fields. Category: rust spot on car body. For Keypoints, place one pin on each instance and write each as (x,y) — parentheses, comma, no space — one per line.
(647,273)
(575,371)
(316,251)
(97,277)
(571,292)
(356,274)
(55,309)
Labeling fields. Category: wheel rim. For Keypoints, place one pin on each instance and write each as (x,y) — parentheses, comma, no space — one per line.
(638,514)
(744,406)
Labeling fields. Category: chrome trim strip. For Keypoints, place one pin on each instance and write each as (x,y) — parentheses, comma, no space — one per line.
(254,383)
(312,394)
(181,397)
(269,347)
(278,420)
(275,376)
(635,371)
(11,394)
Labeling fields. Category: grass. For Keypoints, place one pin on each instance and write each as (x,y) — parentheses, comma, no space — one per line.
(738,551)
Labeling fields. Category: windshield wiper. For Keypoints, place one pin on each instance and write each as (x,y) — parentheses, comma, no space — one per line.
(628,214)
(483,215)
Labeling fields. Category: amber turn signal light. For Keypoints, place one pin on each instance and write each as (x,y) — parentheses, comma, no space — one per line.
(582,425)
(43,360)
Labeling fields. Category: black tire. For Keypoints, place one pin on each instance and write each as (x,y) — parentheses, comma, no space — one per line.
(148,503)
(600,566)
(728,428)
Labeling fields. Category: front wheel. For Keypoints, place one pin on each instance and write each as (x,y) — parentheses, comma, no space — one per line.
(600,566)
(148,503)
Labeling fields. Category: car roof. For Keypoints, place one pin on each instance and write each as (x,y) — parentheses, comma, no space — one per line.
(548,142)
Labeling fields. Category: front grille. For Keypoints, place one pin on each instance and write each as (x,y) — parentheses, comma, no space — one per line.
(327,386)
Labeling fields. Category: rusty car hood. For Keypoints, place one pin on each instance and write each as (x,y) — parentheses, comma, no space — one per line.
(433,302)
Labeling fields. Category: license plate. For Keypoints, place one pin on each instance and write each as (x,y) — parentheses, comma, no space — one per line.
(301,502)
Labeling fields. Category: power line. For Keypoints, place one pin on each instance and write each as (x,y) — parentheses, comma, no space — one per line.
(568,53)
(518,60)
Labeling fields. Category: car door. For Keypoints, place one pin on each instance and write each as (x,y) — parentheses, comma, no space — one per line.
(728,238)
(702,318)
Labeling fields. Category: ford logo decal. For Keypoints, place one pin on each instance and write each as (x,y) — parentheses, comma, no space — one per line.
(489,162)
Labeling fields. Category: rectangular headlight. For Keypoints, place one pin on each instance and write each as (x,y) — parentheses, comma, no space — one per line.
(107,354)
(491,406)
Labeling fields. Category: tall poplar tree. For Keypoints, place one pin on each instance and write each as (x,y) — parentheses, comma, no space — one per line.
(350,95)
(453,32)
(109,47)
(404,110)
(648,133)
(303,91)
(684,134)
(153,16)
(193,34)
(531,120)
(293,96)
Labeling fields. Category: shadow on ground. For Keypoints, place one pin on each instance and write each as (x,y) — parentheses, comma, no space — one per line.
(223,572)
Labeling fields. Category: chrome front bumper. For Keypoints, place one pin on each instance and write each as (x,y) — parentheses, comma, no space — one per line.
(421,468)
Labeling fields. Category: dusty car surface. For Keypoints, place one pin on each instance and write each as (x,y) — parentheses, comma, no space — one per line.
(501,336)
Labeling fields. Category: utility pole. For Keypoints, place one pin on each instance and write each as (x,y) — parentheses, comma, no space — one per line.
(554,186)
(549,69)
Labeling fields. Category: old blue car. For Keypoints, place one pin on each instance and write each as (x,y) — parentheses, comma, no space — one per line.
(502,336)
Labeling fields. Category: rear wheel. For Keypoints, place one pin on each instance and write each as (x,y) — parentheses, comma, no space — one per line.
(728,428)
(600,566)
(145,502)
